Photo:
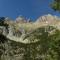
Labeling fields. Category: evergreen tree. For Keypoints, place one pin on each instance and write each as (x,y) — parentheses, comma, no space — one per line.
(55,5)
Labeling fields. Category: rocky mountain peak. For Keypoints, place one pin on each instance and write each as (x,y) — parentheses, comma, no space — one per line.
(20,19)
(47,19)
(8,20)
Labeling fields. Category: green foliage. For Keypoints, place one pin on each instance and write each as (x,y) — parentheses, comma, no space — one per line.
(56,5)
(2,19)
(46,48)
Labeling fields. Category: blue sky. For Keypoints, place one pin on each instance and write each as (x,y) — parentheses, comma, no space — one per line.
(27,8)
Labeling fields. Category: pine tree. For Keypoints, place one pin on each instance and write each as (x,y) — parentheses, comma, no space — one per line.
(56,5)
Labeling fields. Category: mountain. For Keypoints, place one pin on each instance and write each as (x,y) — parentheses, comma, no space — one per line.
(48,19)
(20,27)
(22,40)
(9,20)
(27,23)
(20,19)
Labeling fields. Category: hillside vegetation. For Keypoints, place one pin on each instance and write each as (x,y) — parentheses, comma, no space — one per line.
(44,41)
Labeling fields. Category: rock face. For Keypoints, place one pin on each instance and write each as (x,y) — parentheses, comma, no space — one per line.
(48,19)
(20,19)
(8,21)
(11,30)
(18,29)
